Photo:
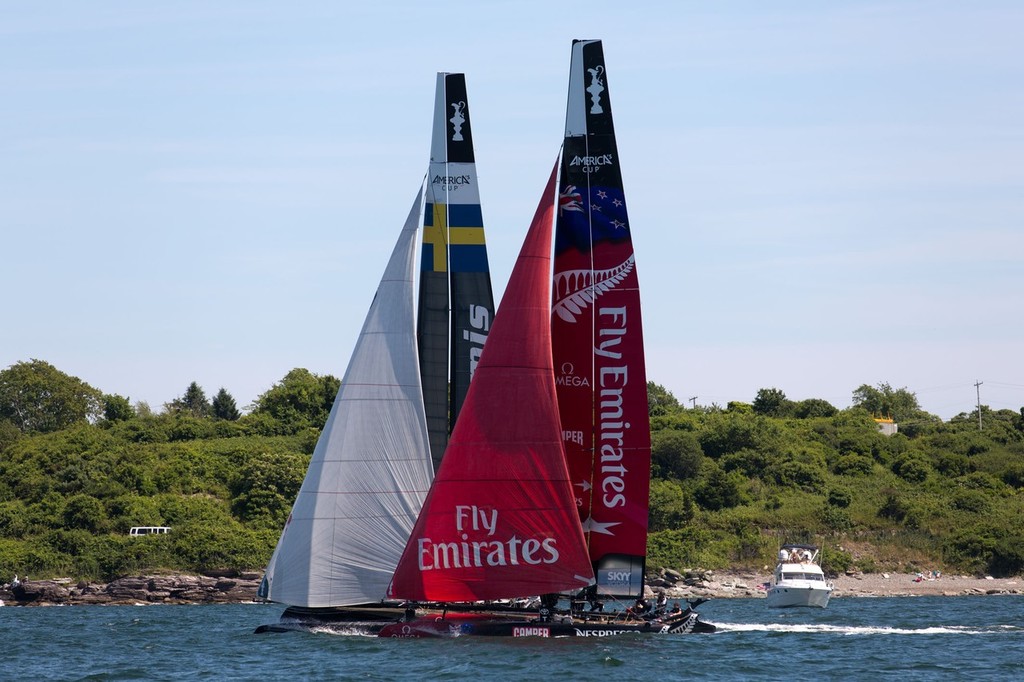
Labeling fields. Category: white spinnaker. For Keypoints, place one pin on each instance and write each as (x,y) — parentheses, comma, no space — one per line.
(371,468)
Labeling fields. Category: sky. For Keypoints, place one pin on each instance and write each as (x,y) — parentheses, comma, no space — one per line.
(822,195)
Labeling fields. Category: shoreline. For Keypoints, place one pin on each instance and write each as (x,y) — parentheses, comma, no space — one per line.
(749,584)
(241,588)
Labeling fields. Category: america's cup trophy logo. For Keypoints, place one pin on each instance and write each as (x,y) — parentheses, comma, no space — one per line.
(457,120)
(595,88)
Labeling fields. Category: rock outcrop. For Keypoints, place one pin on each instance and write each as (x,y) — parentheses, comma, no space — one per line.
(163,589)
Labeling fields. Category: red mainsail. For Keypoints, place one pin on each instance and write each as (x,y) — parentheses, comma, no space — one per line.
(500,520)
(597,335)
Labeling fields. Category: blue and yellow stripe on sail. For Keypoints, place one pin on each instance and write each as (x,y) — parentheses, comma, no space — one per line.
(435,239)
(464,246)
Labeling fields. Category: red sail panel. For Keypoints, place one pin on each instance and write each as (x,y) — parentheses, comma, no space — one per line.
(597,336)
(500,520)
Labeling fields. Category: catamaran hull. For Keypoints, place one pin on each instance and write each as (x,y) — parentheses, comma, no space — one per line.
(482,626)
(367,619)
(364,629)
(783,596)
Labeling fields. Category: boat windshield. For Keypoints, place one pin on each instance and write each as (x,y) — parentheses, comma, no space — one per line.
(802,576)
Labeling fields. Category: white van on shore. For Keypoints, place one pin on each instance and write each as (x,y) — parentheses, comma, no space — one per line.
(149,530)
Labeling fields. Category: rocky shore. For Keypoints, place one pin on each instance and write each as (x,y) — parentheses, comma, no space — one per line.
(163,589)
(187,589)
(727,584)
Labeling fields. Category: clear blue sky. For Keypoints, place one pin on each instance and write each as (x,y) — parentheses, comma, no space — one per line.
(822,195)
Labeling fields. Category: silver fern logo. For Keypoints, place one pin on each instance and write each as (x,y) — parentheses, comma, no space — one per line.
(577,289)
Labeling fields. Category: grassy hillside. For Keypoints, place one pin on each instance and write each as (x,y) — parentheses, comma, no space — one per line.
(731,484)
(728,484)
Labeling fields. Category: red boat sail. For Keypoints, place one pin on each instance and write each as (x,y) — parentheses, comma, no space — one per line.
(500,520)
(598,337)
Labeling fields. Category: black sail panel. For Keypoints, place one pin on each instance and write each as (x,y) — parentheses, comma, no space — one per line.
(465,310)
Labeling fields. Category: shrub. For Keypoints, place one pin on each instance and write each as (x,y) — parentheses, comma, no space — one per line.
(979,480)
(797,474)
(1013,476)
(671,506)
(835,561)
(911,469)
(853,465)
(976,550)
(835,518)
(972,501)
(675,454)
(719,490)
(749,462)
(85,512)
(839,497)
(813,408)
(678,549)
(953,464)
(893,508)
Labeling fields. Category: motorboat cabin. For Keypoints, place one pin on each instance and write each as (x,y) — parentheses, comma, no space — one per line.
(798,579)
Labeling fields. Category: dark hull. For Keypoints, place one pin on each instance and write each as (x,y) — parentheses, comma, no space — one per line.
(366,619)
(370,618)
(498,625)
(391,620)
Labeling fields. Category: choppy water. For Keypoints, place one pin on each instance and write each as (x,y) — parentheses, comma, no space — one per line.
(924,638)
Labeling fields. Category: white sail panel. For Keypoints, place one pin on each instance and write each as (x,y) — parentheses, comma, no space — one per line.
(371,468)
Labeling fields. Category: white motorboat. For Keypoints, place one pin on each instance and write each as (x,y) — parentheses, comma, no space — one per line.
(798,579)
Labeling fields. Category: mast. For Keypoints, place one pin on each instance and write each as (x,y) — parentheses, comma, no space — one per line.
(597,335)
(456,303)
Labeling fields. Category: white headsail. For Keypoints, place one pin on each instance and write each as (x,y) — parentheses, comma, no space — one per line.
(371,468)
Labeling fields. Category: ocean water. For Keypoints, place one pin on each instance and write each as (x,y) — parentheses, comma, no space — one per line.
(923,638)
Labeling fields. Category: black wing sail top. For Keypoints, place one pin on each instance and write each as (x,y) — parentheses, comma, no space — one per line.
(456,303)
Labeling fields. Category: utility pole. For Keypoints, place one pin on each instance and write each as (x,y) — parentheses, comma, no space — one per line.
(977,387)
(693,402)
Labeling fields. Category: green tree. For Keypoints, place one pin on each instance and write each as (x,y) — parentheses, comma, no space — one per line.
(671,506)
(660,400)
(37,397)
(814,407)
(85,512)
(772,402)
(675,454)
(300,399)
(8,433)
(224,406)
(265,487)
(117,408)
(719,490)
(193,403)
(735,431)
(885,401)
